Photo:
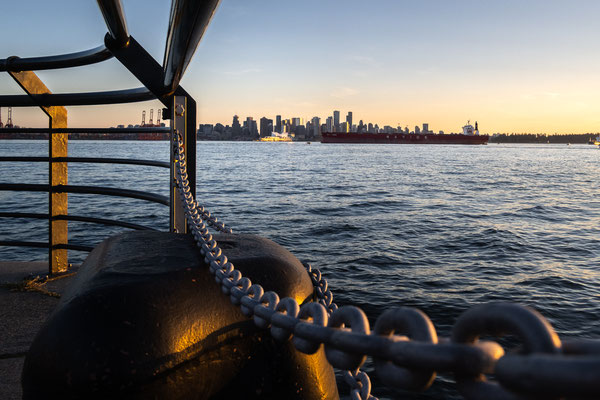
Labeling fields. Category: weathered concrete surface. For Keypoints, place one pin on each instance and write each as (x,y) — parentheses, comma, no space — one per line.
(22,313)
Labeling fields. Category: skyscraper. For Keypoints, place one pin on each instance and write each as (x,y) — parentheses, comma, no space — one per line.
(329,124)
(336,120)
(349,121)
(316,126)
(278,123)
(266,126)
(236,128)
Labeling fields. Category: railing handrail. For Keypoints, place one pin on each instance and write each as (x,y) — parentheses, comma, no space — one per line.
(114,16)
(45,245)
(78,218)
(189,19)
(80,58)
(82,189)
(93,160)
(148,129)
(78,99)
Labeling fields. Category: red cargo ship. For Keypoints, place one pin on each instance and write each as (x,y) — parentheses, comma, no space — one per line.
(469,136)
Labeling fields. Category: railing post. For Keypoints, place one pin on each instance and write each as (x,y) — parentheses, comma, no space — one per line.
(57,172)
(184,122)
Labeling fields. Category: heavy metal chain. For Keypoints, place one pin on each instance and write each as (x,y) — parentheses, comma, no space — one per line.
(358,381)
(212,220)
(404,344)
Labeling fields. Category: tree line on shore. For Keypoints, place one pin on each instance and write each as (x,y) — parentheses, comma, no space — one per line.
(541,138)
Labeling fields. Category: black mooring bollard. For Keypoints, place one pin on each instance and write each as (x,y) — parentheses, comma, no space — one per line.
(144,318)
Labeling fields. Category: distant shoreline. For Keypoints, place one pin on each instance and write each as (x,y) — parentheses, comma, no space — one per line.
(497,138)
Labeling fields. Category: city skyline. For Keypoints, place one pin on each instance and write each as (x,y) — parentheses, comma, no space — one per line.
(279,124)
(514,67)
(308,127)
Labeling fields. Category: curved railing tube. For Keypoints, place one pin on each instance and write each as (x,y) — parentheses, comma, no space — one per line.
(78,99)
(112,11)
(76,247)
(108,191)
(77,218)
(94,160)
(188,22)
(44,245)
(157,129)
(21,243)
(78,59)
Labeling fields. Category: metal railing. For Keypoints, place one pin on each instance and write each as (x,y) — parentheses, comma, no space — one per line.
(188,21)
(80,189)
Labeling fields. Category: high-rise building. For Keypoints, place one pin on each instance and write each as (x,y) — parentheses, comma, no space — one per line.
(336,120)
(329,124)
(349,120)
(205,130)
(425,128)
(316,126)
(344,127)
(300,131)
(236,128)
(417,129)
(251,127)
(266,126)
(278,123)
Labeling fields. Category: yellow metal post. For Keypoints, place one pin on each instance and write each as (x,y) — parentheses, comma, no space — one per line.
(57,173)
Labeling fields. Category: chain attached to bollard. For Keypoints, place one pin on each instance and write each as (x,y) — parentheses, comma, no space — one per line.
(404,344)
(359,381)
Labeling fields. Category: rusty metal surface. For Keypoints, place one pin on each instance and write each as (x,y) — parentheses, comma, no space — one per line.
(57,173)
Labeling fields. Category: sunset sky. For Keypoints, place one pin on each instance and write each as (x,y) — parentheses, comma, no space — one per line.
(514,66)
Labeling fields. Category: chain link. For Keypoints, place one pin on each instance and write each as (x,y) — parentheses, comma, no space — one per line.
(211,220)
(359,388)
(404,343)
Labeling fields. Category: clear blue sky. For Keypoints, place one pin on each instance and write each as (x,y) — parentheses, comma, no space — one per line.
(514,66)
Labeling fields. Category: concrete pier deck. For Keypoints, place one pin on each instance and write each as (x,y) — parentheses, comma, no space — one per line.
(25,302)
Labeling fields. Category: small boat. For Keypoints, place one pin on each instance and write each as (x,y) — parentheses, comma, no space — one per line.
(276,137)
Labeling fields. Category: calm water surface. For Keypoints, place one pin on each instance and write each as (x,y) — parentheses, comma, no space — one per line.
(441,228)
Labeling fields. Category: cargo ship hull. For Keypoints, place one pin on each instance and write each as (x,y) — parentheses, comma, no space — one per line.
(402,138)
